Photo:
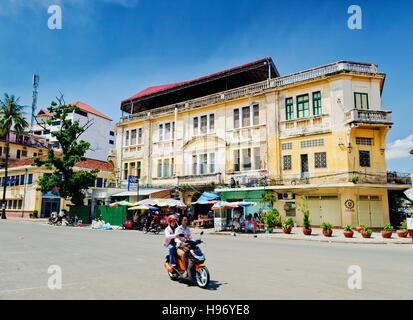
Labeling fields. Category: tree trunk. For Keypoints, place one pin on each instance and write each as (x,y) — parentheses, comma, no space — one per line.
(3,212)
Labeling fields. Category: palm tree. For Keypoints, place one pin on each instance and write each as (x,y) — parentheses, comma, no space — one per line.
(11,116)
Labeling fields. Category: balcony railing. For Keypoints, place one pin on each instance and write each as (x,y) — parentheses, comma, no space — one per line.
(369,116)
(399,178)
(259,87)
(214,178)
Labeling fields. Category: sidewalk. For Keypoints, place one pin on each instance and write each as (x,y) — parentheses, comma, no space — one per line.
(316,235)
(37,220)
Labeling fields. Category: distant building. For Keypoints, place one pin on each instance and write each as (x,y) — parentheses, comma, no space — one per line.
(23,147)
(100,135)
(21,194)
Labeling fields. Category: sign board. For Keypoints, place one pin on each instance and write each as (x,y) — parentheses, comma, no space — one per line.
(133,183)
(409,223)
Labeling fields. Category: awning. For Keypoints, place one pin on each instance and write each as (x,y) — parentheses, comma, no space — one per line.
(207,196)
(142,192)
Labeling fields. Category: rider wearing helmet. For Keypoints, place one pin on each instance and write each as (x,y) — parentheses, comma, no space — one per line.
(170,238)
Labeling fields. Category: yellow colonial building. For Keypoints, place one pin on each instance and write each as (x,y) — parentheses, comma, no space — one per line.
(21,194)
(319,132)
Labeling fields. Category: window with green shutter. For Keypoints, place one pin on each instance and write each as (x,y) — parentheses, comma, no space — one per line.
(317,103)
(361,100)
(289,109)
(303,106)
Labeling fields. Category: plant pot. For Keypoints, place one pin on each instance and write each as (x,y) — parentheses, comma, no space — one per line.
(358,229)
(287,231)
(307,232)
(402,233)
(261,226)
(327,233)
(365,234)
(348,234)
(386,234)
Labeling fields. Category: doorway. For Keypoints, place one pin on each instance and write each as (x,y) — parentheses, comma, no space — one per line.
(49,205)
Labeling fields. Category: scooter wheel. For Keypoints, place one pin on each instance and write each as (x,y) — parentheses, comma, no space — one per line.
(202,277)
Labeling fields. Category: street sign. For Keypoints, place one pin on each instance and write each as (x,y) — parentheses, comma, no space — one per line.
(133,183)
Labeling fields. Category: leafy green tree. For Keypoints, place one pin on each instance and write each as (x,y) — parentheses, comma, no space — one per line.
(69,184)
(11,118)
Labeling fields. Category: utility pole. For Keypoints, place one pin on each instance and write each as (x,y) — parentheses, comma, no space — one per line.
(34,101)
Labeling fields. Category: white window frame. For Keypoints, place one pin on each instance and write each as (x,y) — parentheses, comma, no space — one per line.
(197,132)
(161,133)
(251,122)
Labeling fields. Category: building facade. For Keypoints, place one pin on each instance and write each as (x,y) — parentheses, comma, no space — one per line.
(100,134)
(21,194)
(319,133)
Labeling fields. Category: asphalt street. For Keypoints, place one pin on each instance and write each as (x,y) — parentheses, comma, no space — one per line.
(109,264)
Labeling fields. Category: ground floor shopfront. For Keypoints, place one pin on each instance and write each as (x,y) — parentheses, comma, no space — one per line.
(337,204)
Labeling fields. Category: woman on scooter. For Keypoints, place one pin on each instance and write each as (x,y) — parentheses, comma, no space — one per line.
(183,234)
(170,238)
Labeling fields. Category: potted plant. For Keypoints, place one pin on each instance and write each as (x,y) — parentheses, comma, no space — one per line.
(287,225)
(355,179)
(348,231)
(271,219)
(402,232)
(306,216)
(387,231)
(327,229)
(366,232)
(360,227)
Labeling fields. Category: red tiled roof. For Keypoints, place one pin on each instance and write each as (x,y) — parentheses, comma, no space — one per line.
(88,163)
(43,112)
(87,108)
(157,89)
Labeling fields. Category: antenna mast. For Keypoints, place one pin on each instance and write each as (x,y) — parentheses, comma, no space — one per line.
(34,101)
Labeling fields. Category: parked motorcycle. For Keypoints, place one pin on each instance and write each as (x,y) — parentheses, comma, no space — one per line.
(155,228)
(197,269)
(72,222)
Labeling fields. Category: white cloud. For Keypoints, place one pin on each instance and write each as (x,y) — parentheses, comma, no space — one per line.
(399,148)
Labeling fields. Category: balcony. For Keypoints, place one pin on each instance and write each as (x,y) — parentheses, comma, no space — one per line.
(203,179)
(372,117)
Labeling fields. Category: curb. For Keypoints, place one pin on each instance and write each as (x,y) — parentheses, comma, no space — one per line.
(310,240)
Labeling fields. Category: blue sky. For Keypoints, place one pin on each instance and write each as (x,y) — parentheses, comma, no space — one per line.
(109,50)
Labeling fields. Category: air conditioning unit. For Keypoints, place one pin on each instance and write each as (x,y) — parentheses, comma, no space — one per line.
(288,196)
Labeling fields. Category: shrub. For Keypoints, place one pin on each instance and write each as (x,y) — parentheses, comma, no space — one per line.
(361,226)
(367,230)
(271,218)
(387,228)
(306,212)
(35,213)
(326,226)
(287,224)
(403,225)
(348,227)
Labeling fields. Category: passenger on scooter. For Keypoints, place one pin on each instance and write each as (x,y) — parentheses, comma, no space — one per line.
(156,221)
(182,235)
(170,238)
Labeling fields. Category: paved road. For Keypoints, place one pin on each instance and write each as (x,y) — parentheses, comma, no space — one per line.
(99,264)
